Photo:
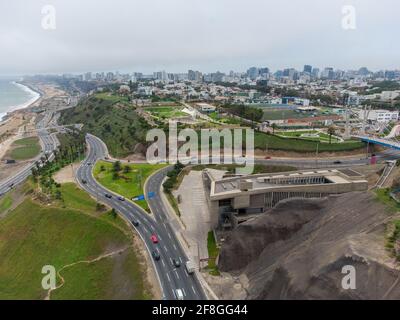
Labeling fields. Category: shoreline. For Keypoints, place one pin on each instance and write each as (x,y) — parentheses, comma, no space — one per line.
(35,97)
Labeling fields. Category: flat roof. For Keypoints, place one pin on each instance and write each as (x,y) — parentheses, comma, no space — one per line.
(265,181)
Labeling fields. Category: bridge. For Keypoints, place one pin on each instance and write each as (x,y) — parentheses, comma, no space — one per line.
(385,142)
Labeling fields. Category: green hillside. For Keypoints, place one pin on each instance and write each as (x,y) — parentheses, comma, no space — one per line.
(113,119)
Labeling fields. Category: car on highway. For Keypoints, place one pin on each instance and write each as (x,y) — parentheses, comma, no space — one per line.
(156,255)
(179,294)
(337,162)
(267,158)
(107,195)
(121,198)
(154,238)
(135,223)
(84,181)
(176,263)
(89,164)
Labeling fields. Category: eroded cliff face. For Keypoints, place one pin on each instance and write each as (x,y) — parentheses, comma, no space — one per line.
(298,250)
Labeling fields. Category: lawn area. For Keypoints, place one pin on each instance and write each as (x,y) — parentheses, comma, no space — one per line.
(213,252)
(128,184)
(166,112)
(323,137)
(34,235)
(5,203)
(227,120)
(24,149)
(274,142)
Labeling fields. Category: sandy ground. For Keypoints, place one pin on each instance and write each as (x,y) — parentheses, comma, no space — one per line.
(66,174)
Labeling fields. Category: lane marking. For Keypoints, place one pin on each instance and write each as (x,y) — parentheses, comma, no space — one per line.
(194,291)
(184,293)
(177,275)
(163,263)
(169,280)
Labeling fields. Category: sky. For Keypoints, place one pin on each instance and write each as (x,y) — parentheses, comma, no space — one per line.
(206,35)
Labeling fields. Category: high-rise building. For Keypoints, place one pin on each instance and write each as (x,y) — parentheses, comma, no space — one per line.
(88,76)
(195,76)
(307,69)
(253,73)
(315,73)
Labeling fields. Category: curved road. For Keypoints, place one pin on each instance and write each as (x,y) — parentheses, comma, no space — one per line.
(170,278)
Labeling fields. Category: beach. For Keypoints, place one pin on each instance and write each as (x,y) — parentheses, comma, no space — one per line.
(26,98)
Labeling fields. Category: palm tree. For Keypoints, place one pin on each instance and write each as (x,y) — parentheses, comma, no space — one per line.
(274,126)
(331,131)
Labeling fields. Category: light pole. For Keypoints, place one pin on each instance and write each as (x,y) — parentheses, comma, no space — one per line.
(316,155)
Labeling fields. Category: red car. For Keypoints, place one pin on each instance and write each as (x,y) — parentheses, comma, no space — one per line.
(154,238)
(267,158)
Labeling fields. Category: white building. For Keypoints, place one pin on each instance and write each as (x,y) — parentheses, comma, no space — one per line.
(380,115)
(205,107)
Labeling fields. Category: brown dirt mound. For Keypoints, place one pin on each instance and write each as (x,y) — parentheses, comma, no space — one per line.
(298,250)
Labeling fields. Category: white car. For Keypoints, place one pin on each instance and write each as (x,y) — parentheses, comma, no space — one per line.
(179,294)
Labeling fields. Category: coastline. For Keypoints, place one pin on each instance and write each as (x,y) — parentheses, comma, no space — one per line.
(35,97)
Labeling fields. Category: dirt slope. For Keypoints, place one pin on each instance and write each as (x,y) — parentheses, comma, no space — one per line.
(297,251)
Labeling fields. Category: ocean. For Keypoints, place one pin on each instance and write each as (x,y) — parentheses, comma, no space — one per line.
(14,96)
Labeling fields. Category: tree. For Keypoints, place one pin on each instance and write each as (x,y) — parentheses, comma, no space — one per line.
(113,213)
(102,168)
(127,169)
(115,175)
(331,131)
(274,126)
(117,166)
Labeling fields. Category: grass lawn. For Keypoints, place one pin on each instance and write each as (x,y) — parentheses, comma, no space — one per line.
(323,137)
(213,252)
(5,203)
(129,184)
(274,142)
(227,120)
(166,112)
(25,149)
(34,235)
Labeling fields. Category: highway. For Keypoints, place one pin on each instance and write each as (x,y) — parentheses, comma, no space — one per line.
(170,277)
(49,143)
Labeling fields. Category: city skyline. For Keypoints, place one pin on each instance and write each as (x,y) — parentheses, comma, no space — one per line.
(154,35)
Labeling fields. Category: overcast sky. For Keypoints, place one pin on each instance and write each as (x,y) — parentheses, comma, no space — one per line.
(208,35)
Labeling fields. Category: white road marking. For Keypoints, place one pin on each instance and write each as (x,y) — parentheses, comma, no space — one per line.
(175,247)
(169,235)
(177,275)
(169,279)
(194,291)
(163,263)
(184,293)
(165,248)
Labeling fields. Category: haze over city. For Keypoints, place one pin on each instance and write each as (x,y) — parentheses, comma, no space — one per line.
(207,35)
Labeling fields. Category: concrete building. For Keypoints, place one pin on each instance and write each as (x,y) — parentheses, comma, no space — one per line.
(205,107)
(380,115)
(235,199)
